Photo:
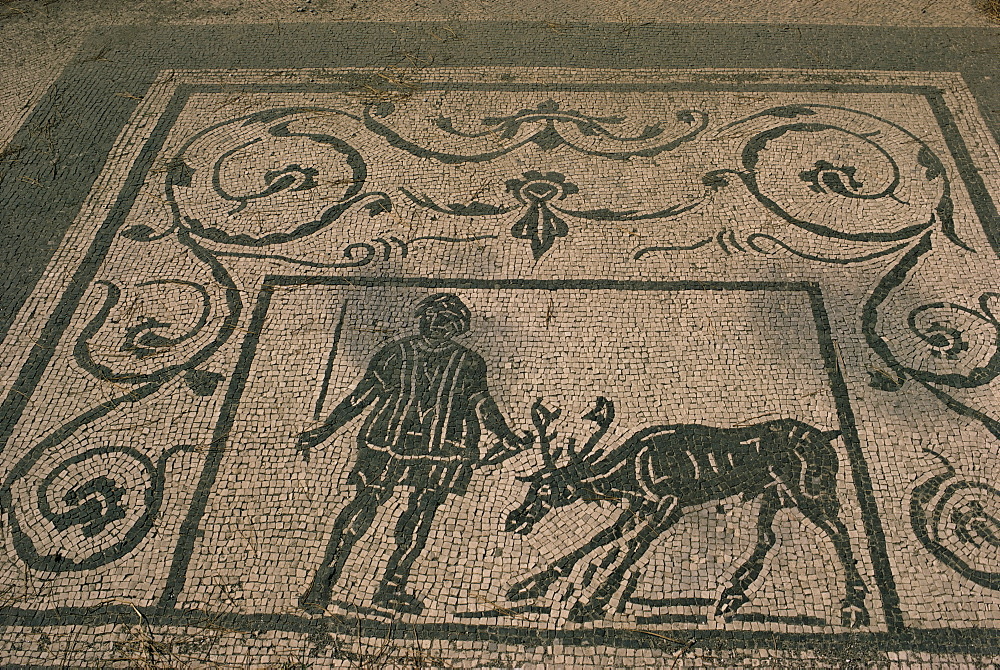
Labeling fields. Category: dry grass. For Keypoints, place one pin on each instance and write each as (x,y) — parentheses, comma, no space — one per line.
(368,653)
(991,8)
(141,647)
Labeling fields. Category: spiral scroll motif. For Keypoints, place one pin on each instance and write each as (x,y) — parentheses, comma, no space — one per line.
(961,346)
(940,343)
(85,510)
(258,198)
(958,521)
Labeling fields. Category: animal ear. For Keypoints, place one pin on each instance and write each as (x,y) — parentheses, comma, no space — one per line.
(524,478)
(604,410)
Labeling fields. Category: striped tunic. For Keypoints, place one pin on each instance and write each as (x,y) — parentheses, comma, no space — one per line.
(427,401)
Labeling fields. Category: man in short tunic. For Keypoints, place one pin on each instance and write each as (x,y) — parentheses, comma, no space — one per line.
(429,404)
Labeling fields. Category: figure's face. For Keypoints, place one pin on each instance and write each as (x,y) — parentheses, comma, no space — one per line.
(441,325)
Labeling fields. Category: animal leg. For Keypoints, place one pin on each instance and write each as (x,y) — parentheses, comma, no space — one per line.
(538,584)
(734,595)
(824,512)
(667,513)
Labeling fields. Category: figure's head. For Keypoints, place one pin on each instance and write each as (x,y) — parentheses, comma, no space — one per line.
(443,316)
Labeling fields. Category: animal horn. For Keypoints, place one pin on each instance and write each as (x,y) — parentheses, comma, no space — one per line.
(571,449)
(603,415)
(542,418)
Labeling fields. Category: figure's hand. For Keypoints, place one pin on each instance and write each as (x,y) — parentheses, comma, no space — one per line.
(526,441)
(505,448)
(309,439)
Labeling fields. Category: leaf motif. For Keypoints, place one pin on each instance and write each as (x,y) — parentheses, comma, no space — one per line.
(927,159)
(286,177)
(179,173)
(714,181)
(384,109)
(202,382)
(884,382)
(548,138)
(649,132)
(541,226)
(95,505)
(153,340)
(475,208)
(380,206)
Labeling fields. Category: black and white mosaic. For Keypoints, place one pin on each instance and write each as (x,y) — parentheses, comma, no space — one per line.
(513,354)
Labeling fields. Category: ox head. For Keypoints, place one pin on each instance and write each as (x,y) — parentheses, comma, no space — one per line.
(556,486)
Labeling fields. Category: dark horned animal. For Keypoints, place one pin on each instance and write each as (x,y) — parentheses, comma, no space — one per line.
(661,471)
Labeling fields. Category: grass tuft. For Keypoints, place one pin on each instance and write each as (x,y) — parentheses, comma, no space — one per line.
(991,8)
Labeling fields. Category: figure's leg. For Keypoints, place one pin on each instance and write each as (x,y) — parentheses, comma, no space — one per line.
(411,534)
(351,524)
(667,513)
(536,585)
(734,595)
(824,512)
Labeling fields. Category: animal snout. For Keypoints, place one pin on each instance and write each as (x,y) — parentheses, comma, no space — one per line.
(518,522)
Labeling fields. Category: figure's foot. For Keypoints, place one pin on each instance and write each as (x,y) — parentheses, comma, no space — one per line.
(853,612)
(533,587)
(855,616)
(399,600)
(730,601)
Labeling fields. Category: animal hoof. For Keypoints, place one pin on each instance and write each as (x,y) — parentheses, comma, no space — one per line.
(313,606)
(316,609)
(854,615)
(316,599)
(400,601)
(729,603)
(582,613)
(533,587)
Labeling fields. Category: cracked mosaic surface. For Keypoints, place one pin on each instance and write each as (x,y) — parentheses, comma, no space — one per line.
(510,355)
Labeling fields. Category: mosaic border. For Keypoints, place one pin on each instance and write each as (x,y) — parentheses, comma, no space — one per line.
(898,637)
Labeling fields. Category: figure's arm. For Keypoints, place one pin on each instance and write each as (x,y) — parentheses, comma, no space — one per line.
(367,391)
(509,443)
(494,421)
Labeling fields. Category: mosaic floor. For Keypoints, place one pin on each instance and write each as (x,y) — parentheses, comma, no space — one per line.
(502,366)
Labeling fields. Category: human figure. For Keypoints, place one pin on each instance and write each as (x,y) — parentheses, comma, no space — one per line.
(430,403)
